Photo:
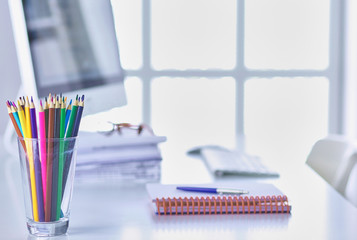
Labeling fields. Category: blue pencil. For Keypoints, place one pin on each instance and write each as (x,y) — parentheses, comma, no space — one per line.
(68,113)
(78,117)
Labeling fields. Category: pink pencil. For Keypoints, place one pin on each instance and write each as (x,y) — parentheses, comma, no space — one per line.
(41,116)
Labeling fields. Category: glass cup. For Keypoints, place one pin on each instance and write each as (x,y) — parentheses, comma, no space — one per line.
(47,169)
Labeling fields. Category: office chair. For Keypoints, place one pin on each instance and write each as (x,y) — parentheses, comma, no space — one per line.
(333,158)
(351,187)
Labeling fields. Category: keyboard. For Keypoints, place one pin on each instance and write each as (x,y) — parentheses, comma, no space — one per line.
(225,162)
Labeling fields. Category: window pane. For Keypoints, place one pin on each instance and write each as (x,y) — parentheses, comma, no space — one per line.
(287,34)
(194,111)
(284,117)
(131,113)
(193,34)
(128,19)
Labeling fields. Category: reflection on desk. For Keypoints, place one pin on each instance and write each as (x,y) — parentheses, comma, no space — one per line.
(117,210)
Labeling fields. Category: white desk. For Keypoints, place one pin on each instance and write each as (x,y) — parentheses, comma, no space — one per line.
(118,211)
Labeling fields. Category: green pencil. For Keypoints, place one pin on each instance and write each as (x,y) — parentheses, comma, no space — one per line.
(68,144)
(72,118)
(61,158)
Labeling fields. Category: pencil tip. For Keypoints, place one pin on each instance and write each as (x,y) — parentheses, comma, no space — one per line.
(31,99)
(40,102)
(82,98)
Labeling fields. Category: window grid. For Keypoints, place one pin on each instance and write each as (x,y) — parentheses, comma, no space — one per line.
(240,73)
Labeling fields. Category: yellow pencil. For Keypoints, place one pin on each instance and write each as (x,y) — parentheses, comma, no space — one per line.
(28,118)
(31,160)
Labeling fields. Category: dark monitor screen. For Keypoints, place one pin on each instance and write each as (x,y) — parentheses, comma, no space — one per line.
(73,44)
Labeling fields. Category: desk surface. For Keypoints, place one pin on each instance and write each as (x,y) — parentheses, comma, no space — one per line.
(122,211)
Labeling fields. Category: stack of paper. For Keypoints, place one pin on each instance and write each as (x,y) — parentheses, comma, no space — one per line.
(123,156)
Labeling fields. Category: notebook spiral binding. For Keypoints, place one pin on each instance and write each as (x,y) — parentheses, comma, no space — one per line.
(222,205)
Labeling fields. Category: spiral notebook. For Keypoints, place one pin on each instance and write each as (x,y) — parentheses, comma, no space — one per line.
(262,198)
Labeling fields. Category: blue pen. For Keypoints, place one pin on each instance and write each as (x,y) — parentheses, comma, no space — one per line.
(213,190)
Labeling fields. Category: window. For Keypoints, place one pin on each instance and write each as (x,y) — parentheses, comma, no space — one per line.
(209,70)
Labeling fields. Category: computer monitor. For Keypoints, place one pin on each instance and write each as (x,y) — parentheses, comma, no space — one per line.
(69,47)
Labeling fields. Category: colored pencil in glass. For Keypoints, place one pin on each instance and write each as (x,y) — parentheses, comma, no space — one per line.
(51,115)
(21,138)
(28,118)
(61,158)
(56,134)
(72,118)
(69,132)
(37,163)
(42,132)
(14,123)
(45,109)
(16,116)
(78,117)
(20,112)
(28,134)
(22,103)
(68,113)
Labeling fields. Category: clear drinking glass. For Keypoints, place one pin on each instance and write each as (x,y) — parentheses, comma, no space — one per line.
(47,169)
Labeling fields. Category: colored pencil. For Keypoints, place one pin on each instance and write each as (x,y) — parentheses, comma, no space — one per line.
(28,118)
(20,112)
(14,123)
(45,109)
(51,115)
(69,132)
(37,163)
(22,103)
(48,160)
(68,113)
(41,118)
(31,161)
(56,134)
(72,118)
(78,117)
(61,157)
(16,116)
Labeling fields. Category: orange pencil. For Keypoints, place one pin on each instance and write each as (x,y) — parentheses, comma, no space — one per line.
(17,129)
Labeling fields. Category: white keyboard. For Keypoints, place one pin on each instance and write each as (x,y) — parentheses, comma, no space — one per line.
(225,162)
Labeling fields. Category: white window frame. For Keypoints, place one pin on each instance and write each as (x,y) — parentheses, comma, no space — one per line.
(334,71)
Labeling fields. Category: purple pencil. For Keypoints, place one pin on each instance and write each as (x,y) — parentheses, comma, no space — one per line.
(37,163)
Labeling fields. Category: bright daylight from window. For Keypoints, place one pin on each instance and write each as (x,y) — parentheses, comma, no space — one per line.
(283,111)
